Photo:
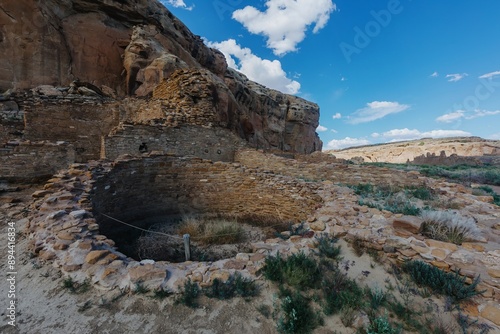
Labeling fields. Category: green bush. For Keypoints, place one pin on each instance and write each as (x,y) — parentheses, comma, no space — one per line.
(381,325)
(189,297)
(422,193)
(140,288)
(448,284)
(341,292)
(326,247)
(295,314)
(298,270)
(236,285)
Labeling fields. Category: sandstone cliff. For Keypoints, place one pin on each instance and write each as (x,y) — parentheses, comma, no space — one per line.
(427,151)
(127,48)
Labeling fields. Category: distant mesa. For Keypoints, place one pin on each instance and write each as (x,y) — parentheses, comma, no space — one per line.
(427,151)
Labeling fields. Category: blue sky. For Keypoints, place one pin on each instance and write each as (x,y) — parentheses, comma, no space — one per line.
(381,71)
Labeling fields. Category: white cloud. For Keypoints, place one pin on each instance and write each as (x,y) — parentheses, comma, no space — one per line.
(435,74)
(177,4)
(375,110)
(321,128)
(456,76)
(338,144)
(451,117)
(334,131)
(489,75)
(459,114)
(284,22)
(407,134)
(266,72)
(337,116)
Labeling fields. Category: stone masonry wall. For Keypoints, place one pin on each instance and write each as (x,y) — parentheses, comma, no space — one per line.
(215,144)
(161,186)
(29,161)
(81,121)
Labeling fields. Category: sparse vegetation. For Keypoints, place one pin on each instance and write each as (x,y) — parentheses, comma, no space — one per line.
(140,288)
(448,284)
(76,287)
(448,226)
(294,313)
(236,285)
(190,294)
(381,325)
(298,270)
(160,293)
(326,247)
(392,198)
(464,173)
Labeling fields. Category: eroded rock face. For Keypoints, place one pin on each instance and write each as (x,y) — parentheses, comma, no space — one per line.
(128,48)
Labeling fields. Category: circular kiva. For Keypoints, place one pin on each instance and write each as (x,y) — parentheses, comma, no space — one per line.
(89,218)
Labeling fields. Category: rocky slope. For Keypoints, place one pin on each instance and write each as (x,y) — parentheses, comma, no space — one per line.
(426,151)
(126,48)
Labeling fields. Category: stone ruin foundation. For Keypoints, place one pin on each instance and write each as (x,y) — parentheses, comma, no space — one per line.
(79,223)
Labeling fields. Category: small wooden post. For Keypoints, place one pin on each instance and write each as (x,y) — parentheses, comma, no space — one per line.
(186,246)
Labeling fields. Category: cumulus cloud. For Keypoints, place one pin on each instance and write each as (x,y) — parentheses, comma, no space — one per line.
(407,134)
(435,74)
(337,116)
(284,22)
(490,75)
(338,144)
(376,110)
(462,114)
(456,77)
(266,72)
(321,128)
(177,4)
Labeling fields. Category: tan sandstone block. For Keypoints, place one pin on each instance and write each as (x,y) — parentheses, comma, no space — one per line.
(492,313)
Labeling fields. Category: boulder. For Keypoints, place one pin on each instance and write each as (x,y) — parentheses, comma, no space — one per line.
(409,223)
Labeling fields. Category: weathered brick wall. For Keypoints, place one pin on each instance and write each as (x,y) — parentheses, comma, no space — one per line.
(215,144)
(81,121)
(29,162)
(143,190)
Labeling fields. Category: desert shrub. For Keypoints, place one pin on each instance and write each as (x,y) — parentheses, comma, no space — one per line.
(341,292)
(448,284)
(448,226)
(326,247)
(363,189)
(298,270)
(140,288)
(377,297)
(236,285)
(422,193)
(189,296)
(76,287)
(381,325)
(161,293)
(400,203)
(294,313)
